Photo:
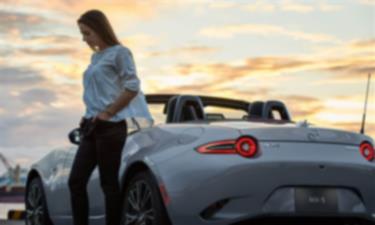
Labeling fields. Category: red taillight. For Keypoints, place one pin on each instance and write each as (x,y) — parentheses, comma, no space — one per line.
(218,147)
(244,146)
(247,147)
(367,151)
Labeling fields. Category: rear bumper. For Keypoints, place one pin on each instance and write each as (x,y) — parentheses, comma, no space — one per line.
(281,220)
(261,189)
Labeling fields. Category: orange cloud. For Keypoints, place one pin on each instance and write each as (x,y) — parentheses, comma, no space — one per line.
(140,41)
(364,44)
(326,7)
(48,51)
(252,66)
(342,112)
(130,7)
(52,39)
(302,106)
(260,6)
(12,21)
(290,6)
(351,66)
(366,2)
(344,67)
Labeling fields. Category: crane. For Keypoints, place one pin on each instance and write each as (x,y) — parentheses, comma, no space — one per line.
(13,172)
(5,161)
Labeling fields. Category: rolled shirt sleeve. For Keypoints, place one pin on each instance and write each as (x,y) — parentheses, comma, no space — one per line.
(127,70)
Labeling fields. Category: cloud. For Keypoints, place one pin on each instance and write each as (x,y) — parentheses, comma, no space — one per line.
(227,77)
(191,50)
(290,6)
(14,20)
(344,66)
(224,78)
(25,155)
(357,58)
(302,106)
(46,127)
(344,112)
(38,95)
(39,110)
(51,39)
(114,9)
(79,6)
(366,2)
(140,40)
(25,33)
(141,44)
(267,6)
(251,66)
(347,67)
(35,44)
(364,44)
(260,6)
(19,76)
(326,7)
(229,31)
(339,112)
(44,28)
(222,5)
(48,51)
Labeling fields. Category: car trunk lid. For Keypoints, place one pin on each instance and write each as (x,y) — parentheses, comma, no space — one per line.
(290,132)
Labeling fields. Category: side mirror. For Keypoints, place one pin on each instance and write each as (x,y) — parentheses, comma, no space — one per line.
(75,136)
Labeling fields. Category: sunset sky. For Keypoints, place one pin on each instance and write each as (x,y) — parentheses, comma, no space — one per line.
(314,55)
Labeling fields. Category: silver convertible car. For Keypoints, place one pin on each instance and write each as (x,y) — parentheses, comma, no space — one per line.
(201,167)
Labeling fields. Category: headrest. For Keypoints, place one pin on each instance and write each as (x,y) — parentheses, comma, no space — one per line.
(185,107)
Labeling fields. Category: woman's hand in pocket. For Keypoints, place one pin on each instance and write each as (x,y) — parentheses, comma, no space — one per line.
(102,116)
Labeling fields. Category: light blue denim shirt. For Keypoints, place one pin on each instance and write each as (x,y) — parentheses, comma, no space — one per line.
(110,73)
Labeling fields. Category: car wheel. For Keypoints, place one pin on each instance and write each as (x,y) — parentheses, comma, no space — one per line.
(142,203)
(36,207)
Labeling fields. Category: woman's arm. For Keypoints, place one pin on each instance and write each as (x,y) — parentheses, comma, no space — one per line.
(125,66)
(121,102)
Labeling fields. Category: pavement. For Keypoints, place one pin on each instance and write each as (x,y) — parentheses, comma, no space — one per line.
(7,222)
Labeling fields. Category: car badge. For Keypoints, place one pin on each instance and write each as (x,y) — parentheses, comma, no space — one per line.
(313,136)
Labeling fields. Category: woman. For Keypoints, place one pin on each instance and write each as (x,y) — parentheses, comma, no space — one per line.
(111,95)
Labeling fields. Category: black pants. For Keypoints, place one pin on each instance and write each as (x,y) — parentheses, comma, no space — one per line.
(101,146)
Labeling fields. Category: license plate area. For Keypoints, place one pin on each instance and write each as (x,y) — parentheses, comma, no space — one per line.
(316,200)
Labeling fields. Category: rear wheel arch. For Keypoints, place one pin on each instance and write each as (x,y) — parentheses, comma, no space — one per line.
(132,171)
(32,174)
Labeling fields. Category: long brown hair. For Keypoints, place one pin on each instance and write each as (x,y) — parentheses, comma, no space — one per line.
(98,22)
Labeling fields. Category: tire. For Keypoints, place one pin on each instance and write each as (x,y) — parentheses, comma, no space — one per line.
(142,203)
(35,202)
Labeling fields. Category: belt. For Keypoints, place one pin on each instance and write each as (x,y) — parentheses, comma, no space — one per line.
(89,120)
